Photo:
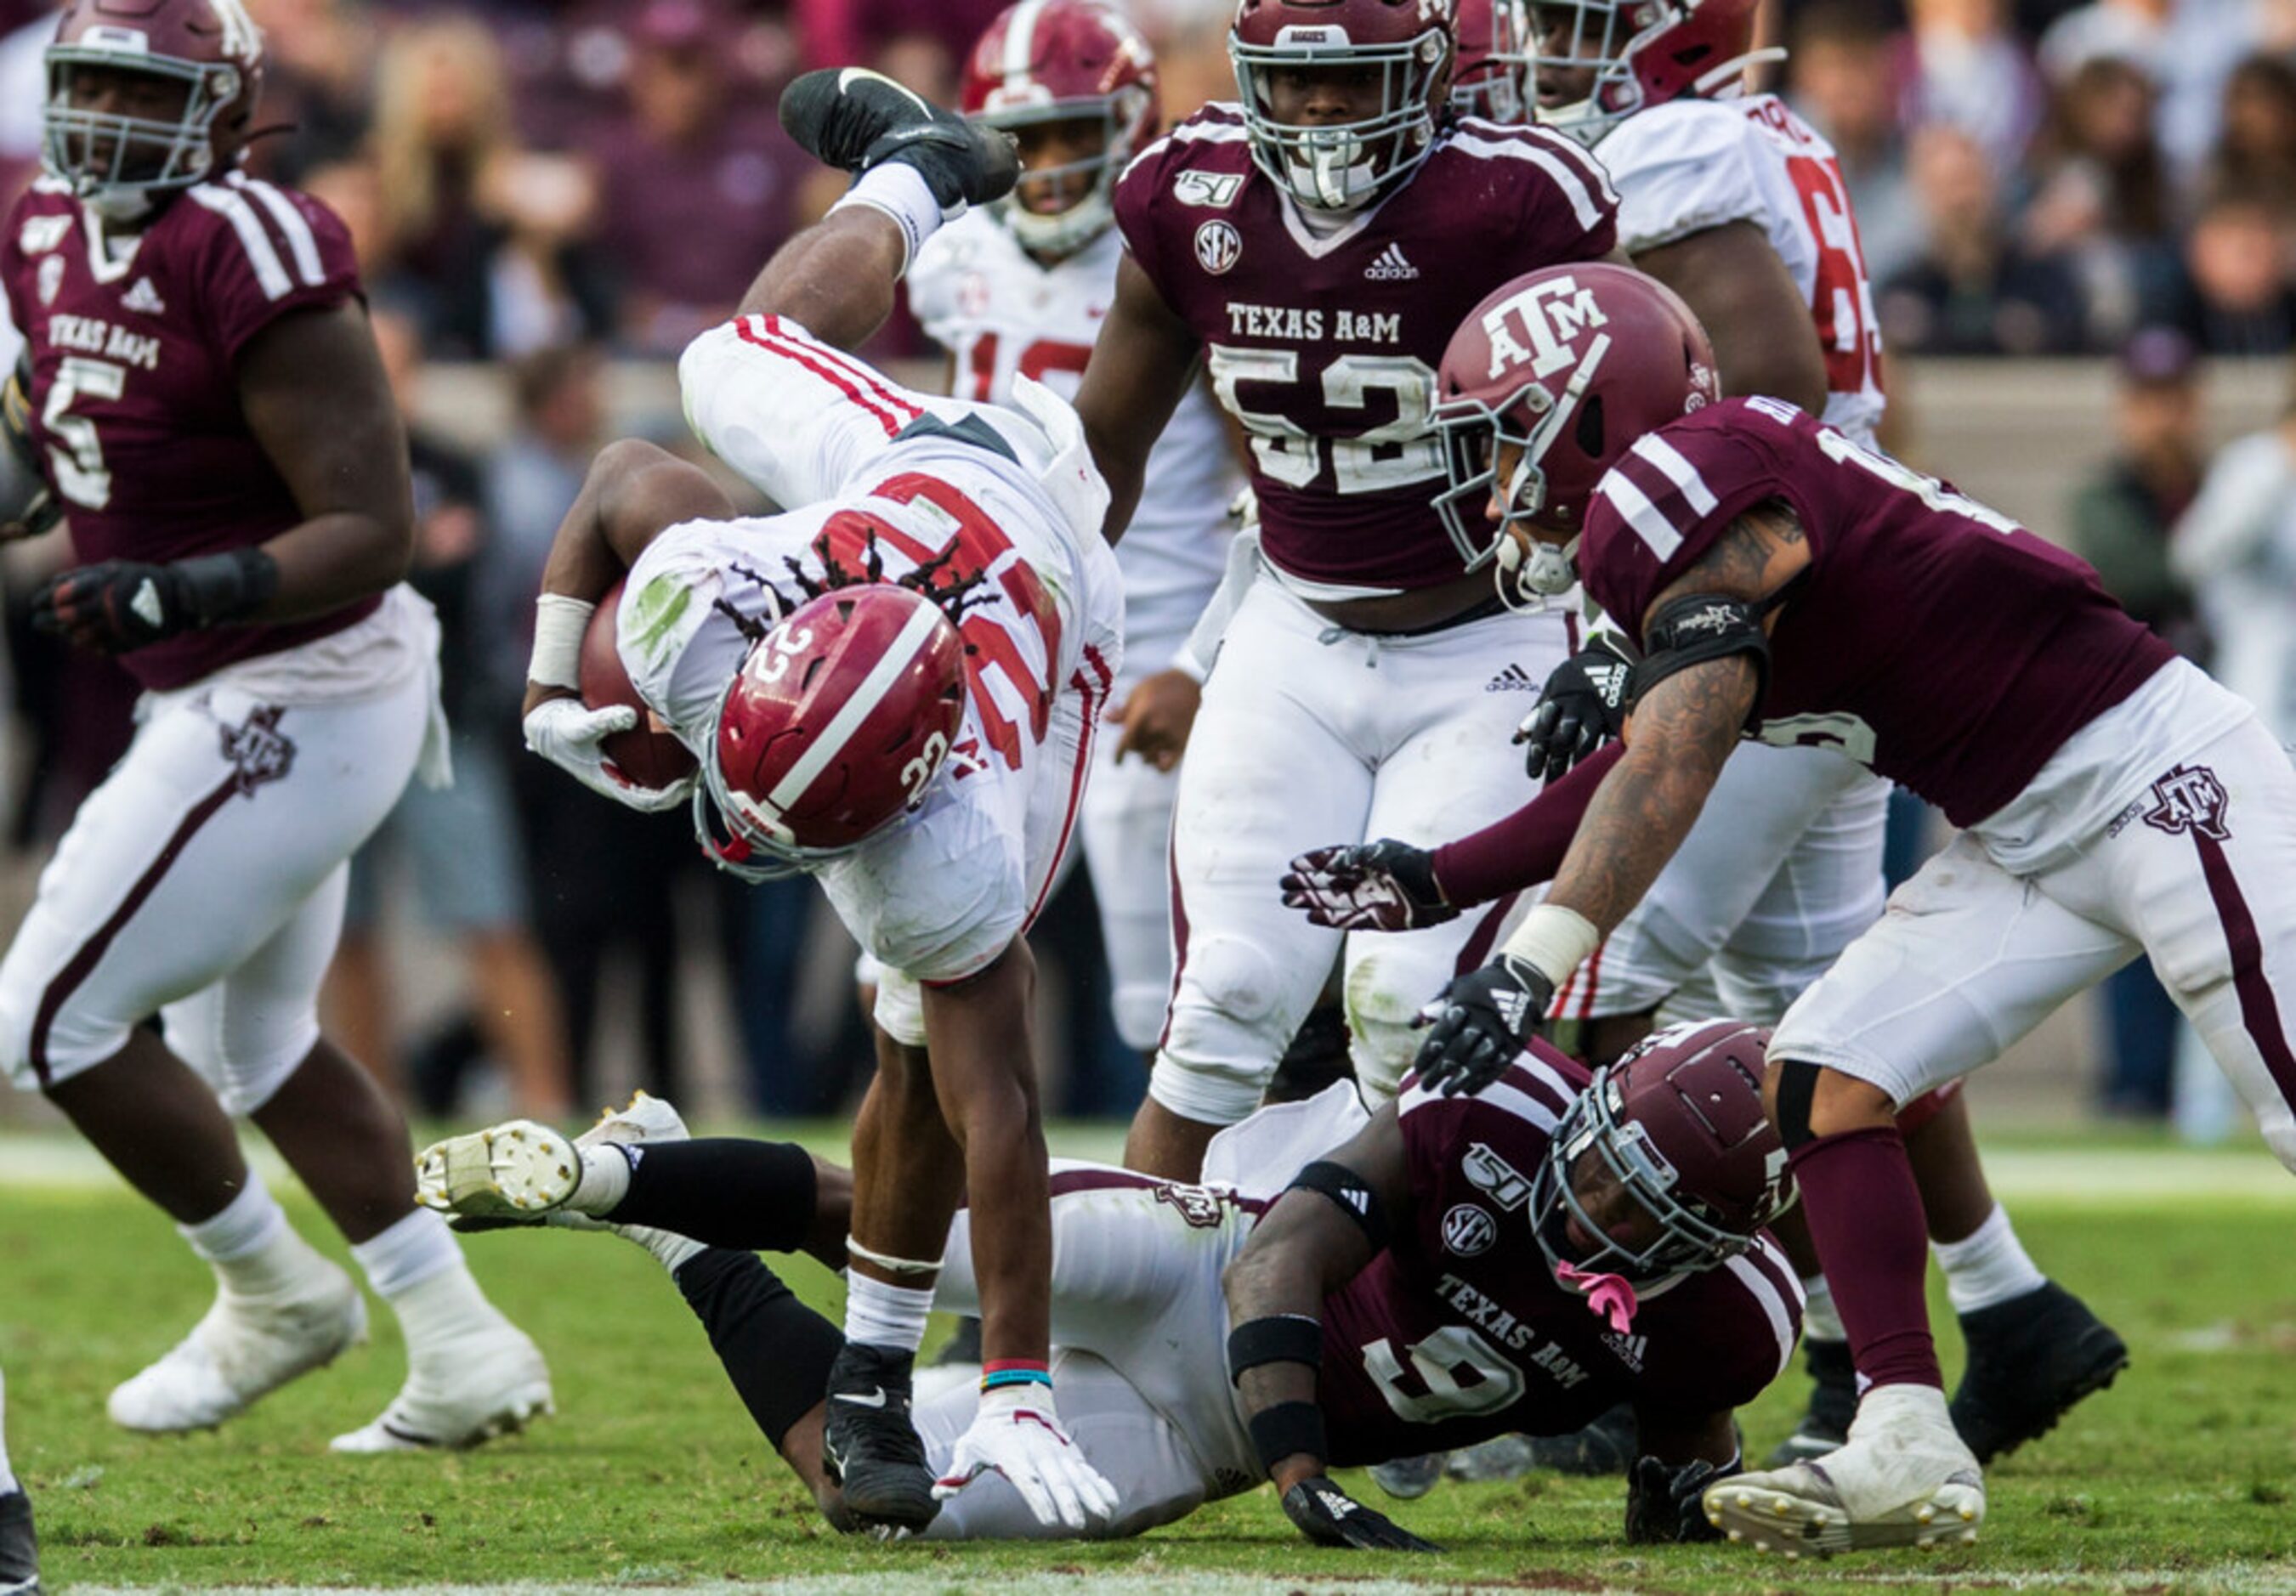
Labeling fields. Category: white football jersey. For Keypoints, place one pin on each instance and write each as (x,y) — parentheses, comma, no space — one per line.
(940,892)
(1690,165)
(1001,314)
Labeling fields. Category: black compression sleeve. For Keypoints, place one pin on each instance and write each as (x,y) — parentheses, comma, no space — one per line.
(723,1191)
(775,1350)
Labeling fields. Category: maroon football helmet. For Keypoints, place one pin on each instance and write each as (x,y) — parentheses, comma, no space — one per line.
(123,164)
(1344,166)
(1056,61)
(1567,365)
(836,724)
(1494,44)
(1632,54)
(1677,1126)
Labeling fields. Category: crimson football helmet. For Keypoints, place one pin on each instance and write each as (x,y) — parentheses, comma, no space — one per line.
(1056,61)
(1494,44)
(1344,166)
(1566,366)
(837,723)
(1632,54)
(1670,1146)
(122,163)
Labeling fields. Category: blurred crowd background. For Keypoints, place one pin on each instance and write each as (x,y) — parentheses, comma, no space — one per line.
(548,200)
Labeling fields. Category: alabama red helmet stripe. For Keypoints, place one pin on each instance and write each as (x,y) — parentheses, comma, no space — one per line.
(915,636)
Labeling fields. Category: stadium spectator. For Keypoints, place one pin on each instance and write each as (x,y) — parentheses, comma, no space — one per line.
(695,182)
(2241,300)
(316,81)
(1839,78)
(1973,291)
(1961,66)
(2122,515)
(2185,46)
(602,879)
(460,844)
(2102,202)
(918,42)
(2256,149)
(490,234)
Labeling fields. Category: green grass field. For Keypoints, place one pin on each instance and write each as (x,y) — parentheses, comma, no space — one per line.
(2182,1478)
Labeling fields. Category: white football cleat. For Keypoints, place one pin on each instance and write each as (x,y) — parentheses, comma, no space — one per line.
(1903,1478)
(515,1170)
(245,1347)
(645,1118)
(460,1392)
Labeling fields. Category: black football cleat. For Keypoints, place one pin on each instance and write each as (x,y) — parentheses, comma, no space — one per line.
(19,1549)
(1832,1404)
(854,118)
(2030,1359)
(870,1445)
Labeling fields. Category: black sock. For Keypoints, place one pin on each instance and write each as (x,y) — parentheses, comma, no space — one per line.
(722,1191)
(775,1350)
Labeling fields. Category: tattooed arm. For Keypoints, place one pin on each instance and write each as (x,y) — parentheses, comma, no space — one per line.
(1681,729)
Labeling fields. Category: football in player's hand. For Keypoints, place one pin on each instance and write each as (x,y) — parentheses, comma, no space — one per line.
(646,754)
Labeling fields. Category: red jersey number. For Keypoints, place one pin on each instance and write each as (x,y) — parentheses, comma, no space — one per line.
(1843,304)
(989,647)
(1044,355)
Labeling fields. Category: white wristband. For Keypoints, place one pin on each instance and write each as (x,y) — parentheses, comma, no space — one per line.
(559,624)
(1553,940)
(900,192)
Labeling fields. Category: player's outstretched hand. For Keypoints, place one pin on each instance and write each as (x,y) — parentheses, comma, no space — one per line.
(571,735)
(1666,1502)
(1157,715)
(1582,707)
(1330,1517)
(1481,1021)
(1384,886)
(1020,1437)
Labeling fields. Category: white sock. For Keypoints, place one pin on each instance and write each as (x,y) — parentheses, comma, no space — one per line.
(881,1315)
(605,1181)
(1820,1321)
(7,1474)
(1989,1267)
(899,190)
(250,1245)
(670,1251)
(407,1254)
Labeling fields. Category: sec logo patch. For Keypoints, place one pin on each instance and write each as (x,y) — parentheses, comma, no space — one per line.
(1468,1230)
(1218,247)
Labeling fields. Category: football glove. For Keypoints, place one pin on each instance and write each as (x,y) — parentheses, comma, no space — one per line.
(1017,1434)
(1666,1502)
(26,507)
(571,735)
(1384,886)
(1330,1517)
(1582,707)
(1483,1020)
(122,605)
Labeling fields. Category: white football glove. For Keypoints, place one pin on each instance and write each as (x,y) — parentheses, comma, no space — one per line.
(571,735)
(1017,1434)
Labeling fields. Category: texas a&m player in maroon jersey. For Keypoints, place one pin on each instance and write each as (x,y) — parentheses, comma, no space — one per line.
(1781,581)
(203,401)
(1313,244)
(1442,1271)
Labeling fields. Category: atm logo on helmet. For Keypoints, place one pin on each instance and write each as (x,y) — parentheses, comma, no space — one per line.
(1536,327)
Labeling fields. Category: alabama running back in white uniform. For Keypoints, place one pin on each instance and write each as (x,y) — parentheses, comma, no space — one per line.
(1021,290)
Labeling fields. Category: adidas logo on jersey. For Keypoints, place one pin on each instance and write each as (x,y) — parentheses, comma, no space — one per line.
(144,298)
(1391,267)
(1512,679)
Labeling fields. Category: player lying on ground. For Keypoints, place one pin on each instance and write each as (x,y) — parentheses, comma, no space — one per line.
(1778,580)
(1448,1269)
(892,687)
